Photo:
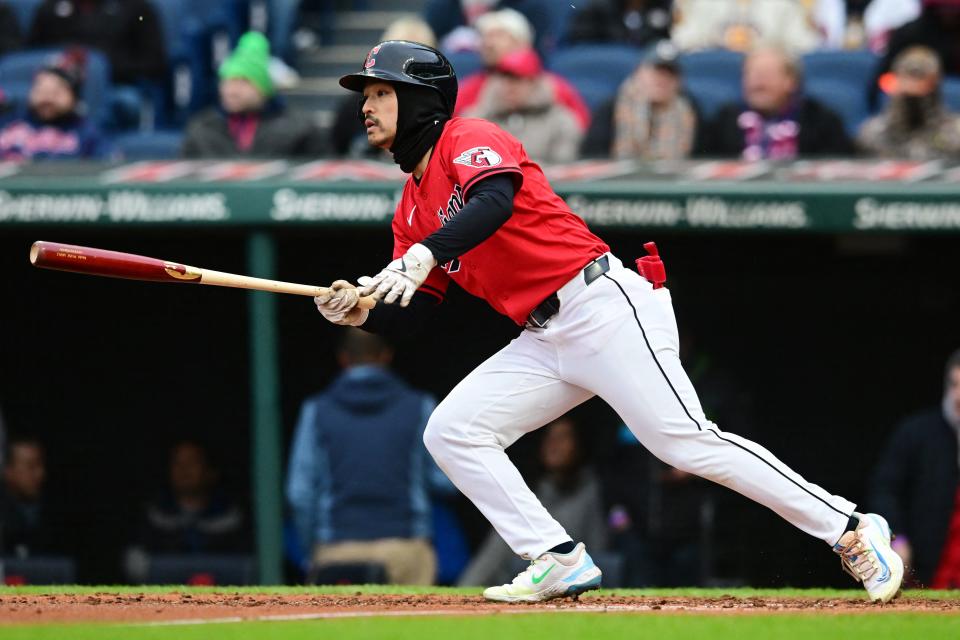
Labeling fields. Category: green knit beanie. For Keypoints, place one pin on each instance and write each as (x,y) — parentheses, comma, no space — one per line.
(250,60)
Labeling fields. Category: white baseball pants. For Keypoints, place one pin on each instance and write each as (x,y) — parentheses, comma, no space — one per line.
(615,338)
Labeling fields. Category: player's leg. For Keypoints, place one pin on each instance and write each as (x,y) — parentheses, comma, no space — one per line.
(635,346)
(515,391)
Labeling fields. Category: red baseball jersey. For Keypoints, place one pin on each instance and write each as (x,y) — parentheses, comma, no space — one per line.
(540,248)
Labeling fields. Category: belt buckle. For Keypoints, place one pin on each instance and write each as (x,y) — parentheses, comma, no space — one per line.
(551,305)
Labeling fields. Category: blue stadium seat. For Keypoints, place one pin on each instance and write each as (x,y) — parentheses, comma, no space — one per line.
(609,63)
(854,67)
(597,71)
(465,63)
(152,145)
(709,95)
(842,80)
(25,9)
(594,92)
(716,65)
(951,93)
(848,100)
(18,69)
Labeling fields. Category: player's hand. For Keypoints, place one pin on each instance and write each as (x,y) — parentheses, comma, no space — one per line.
(402,277)
(339,305)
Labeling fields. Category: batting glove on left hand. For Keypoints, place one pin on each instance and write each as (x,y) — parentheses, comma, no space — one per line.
(402,277)
(339,305)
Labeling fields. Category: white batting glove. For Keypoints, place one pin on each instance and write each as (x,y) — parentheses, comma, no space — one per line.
(402,277)
(339,305)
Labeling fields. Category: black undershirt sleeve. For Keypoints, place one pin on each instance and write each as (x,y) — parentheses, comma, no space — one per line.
(489,204)
(396,323)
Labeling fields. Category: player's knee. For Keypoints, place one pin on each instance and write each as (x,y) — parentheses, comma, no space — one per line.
(432,439)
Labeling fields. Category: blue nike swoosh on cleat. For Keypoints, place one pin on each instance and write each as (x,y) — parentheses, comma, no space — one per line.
(886,568)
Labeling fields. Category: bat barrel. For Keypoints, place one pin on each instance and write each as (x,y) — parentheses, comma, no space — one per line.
(112,264)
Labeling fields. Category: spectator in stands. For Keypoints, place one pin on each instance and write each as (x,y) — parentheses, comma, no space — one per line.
(915,123)
(569,488)
(917,484)
(128,32)
(25,522)
(455,21)
(776,122)
(51,125)
(354,503)
(938,28)
(742,25)
(860,24)
(348,136)
(250,120)
(652,119)
(10,35)
(193,514)
(519,97)
(635,22)
(501,33)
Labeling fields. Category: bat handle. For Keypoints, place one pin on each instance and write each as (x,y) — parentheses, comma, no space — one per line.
(366,302)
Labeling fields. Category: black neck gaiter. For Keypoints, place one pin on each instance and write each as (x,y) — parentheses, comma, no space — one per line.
(420,119)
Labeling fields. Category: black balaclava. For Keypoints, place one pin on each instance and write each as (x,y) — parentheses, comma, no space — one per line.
(421,115)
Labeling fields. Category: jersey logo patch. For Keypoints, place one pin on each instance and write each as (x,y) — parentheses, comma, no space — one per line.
(479,157)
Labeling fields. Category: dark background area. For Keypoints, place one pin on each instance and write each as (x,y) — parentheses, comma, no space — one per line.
(835,339)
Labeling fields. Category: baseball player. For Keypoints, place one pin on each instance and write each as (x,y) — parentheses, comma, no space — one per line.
(477,211)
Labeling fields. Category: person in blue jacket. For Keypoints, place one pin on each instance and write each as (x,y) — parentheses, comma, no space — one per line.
(359,477)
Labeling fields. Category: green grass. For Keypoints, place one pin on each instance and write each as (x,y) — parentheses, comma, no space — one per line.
(656,625)
(469,591)
(887,626)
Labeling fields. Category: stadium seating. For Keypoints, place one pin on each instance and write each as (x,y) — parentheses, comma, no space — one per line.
(712,78)
(840,79)
(709,95)
(18,69)
(465,63)
(849,101)
(596,70)
(854,67)
(148,145)
(951,93)
(718,65)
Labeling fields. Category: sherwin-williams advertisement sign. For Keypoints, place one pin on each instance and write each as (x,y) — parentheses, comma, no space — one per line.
(825,196)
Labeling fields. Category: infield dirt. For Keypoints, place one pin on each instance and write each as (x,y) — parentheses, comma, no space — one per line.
(160,607)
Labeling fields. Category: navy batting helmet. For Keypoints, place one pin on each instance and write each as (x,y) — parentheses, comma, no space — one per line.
(410,63)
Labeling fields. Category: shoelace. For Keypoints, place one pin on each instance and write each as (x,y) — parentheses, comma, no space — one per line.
(529,569)
(859,560)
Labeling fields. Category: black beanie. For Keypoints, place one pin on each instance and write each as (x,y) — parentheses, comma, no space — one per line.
(421,114)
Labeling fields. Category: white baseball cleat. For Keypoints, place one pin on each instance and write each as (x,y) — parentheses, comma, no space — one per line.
(552,575)
(866,555)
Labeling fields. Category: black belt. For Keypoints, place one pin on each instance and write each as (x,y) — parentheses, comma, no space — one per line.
(541,315)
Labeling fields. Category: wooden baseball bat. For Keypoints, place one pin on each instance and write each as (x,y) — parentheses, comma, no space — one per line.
(114,264)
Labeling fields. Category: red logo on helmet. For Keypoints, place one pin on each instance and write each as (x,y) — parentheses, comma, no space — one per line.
(370,59)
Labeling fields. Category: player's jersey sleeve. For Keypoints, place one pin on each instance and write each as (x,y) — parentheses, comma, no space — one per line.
(477,149)
(437,281)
